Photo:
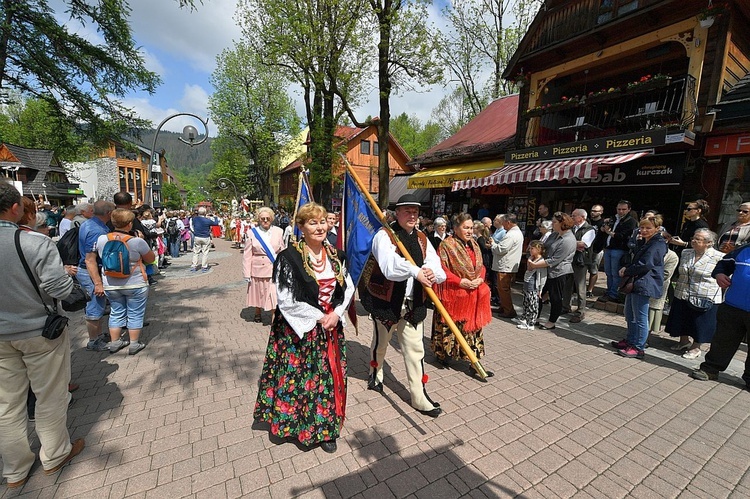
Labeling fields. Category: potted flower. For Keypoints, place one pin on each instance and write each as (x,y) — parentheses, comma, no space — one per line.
(707,16)
(521,79)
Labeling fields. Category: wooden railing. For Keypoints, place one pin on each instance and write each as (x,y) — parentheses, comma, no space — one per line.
(665,103)
(576,17)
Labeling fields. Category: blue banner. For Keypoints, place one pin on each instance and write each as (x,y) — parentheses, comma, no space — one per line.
(304,196)
(360,225)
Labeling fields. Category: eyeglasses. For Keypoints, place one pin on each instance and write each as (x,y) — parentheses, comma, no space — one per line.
(698,239)
(744,212)
(690,209)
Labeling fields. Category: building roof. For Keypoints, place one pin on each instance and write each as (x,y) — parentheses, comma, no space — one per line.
(36,159)
(490,132)
(739,92)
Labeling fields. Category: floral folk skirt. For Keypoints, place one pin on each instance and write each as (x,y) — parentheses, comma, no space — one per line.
(445,345)
(296,393)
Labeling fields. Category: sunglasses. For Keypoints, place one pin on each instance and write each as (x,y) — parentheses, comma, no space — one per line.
(745,212)
(264,219)
(690,209)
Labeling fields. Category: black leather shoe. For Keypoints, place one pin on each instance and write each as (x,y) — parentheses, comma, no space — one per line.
(433,413)
(329,446)
(375,386)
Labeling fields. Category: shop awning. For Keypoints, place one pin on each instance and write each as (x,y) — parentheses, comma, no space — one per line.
(397,188)
(539,171)
(445,176)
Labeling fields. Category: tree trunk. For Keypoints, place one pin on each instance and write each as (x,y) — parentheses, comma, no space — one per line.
(384,85)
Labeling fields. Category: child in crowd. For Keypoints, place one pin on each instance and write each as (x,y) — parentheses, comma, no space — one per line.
(533,282)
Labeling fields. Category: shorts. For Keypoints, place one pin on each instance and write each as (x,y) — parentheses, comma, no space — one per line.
(95,307)
(128,307)
(594,267)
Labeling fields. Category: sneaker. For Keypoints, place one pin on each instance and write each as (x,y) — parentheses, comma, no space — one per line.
(97,345)
(589,294)
(619,345)
(136,347)
(204,269)
(631,353)
(193,269)
(116,346)
(603,299)
(702,375)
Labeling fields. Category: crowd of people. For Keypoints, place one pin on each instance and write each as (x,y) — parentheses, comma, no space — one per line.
(471,265)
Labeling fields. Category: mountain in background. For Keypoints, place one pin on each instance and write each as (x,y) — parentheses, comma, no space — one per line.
(181,158)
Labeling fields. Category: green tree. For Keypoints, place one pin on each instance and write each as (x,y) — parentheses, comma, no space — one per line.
(406,58)
(482,38)
(253,113)
(414,137)
(171,196)
(33,123)
(81,80)
(321,46)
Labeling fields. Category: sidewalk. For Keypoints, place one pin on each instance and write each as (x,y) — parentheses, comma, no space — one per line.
(563,416)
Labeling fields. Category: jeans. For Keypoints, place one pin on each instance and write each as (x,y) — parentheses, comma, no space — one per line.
(174,247)
(94,307)
(612,267)
(128,307)
(636,315)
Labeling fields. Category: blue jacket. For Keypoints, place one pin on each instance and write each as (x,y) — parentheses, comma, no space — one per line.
(736,264)
(648,266)
(202,226)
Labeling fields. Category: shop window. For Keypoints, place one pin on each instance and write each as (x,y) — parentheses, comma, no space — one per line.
(364,147)
(376,148)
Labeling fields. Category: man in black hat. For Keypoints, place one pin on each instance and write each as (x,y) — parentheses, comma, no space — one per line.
(391,291)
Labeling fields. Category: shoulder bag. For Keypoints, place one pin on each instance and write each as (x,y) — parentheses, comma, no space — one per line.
(697,303)
(55,323)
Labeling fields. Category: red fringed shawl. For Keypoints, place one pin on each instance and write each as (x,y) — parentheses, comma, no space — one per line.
(470,306)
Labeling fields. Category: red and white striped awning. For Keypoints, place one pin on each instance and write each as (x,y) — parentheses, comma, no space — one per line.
(540,171)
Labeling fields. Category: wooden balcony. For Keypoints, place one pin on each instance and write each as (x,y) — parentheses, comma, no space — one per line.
(664,103)
(577,17)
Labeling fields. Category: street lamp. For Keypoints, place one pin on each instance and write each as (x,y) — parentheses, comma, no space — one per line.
(224,184)
(189,136)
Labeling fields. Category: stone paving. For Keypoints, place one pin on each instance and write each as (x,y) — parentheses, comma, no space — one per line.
(564,415)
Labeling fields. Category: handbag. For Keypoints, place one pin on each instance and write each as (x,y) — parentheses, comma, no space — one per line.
(626,284)
(697,303)
(55,323)
(77,299)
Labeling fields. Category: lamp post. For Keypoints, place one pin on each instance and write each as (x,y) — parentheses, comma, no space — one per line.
(189,136)
(224,184)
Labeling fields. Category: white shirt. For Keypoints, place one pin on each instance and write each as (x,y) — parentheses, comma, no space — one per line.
(397,268)
(588,237)
(302,316)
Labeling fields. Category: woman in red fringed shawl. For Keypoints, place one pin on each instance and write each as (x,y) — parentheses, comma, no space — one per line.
(464,294)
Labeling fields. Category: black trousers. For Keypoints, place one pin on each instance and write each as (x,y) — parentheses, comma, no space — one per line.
(557,287)
(732,326)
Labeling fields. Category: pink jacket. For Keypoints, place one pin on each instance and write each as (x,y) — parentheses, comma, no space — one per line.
(255,262)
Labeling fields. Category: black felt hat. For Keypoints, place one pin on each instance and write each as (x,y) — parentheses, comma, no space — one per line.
(408,200)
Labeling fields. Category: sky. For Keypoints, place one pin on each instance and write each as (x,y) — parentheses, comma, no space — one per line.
(181,46)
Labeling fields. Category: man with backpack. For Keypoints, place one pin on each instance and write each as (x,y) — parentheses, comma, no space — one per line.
(173,228)
(89,275)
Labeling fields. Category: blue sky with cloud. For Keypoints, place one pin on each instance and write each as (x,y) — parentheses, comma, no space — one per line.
(181,46)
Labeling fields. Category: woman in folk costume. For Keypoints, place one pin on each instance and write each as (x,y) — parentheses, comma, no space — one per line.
(262,245)
(464,295)
(302,388)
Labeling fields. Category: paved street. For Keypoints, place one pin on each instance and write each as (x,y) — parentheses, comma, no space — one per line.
(564,415)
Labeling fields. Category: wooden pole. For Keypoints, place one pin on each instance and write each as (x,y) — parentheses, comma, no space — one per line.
(438,305)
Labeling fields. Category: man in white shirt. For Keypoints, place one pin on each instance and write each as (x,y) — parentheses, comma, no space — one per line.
(506,257)
(585,234)
(67,222)
(391,292)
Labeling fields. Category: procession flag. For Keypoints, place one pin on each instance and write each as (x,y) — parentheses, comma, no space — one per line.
(360,226)
(304,196)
